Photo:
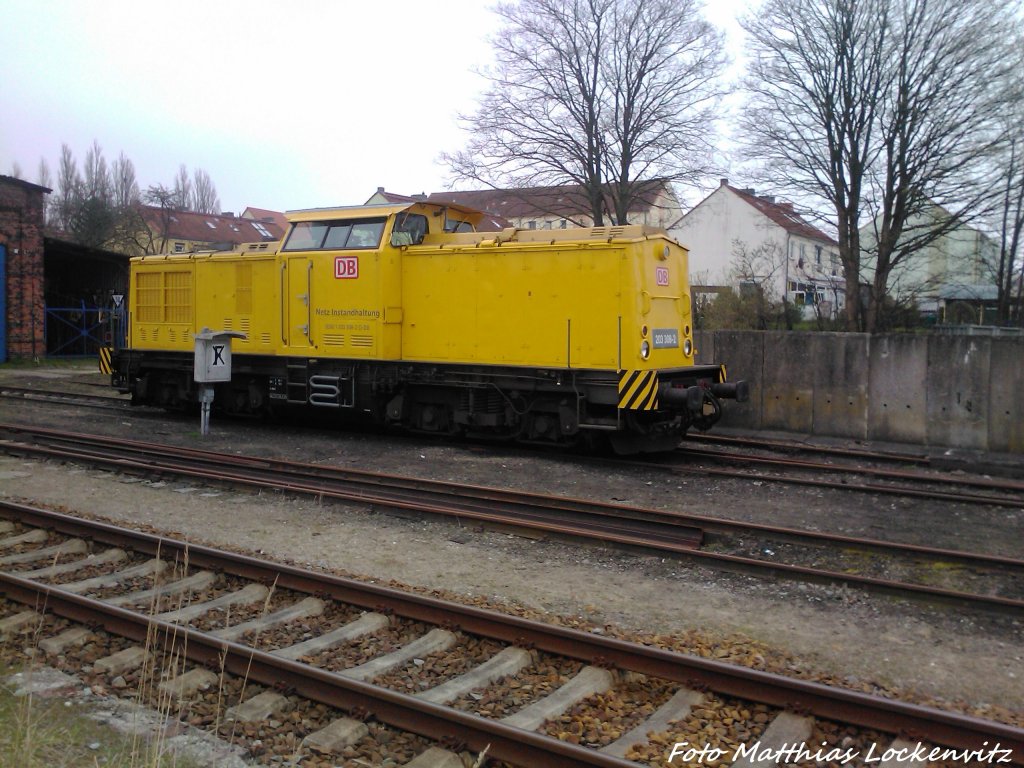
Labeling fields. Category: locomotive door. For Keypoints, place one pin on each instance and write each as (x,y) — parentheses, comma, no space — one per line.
(297,309)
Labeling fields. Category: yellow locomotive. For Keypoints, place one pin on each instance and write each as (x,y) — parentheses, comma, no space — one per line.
(405,315)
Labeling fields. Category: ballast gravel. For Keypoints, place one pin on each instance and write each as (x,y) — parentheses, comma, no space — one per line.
(946,657)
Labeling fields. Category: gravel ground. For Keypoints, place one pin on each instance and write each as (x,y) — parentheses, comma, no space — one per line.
(869,643)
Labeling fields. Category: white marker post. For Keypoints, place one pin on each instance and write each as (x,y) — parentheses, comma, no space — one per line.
(212,365)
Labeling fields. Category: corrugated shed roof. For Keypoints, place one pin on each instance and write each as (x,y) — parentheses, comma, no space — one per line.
(209,228)
(24,184)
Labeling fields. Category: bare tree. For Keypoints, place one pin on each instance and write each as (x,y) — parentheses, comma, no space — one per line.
(814,84)
(43,176)
(182,199)
(152,237)
(1007,271)
(595,93)
(759,272)
(663,70)
(69,190)
(952,68)
(44,179)
(96,177)
(124,187)
(204,193)
(878,109)
(16,171)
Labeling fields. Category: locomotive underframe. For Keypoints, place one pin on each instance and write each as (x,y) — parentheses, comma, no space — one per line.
(531,405)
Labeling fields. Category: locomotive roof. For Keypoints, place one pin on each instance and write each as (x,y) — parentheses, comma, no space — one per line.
(383,209)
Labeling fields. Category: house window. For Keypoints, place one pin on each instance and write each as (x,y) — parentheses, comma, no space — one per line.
(531,224)
(547,224)
(817,255)
(563,224)
(179,247)
(261,229)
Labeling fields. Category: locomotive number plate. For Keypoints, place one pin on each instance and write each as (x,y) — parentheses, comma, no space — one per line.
(666,338)
(346,267)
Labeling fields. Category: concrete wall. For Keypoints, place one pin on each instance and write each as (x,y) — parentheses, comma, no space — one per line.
(936,390)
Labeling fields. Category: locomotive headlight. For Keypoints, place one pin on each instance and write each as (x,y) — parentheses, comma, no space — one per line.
(645,349)
(687,347)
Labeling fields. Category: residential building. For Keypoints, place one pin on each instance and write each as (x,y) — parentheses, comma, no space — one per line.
(738,238)
(560,207)
(171,231)
(556,207)
(265,216)
(950,278)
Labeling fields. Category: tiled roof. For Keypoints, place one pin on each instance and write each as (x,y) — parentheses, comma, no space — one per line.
(567,201)
(208,228)
(262,214)
(782,214)
(394,197)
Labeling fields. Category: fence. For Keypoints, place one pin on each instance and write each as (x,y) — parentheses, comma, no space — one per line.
(76,331)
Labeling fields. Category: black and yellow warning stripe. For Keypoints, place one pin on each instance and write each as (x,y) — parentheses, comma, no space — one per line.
(638,390)
(105,366)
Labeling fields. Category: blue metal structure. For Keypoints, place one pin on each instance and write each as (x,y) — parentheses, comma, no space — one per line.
(78,330)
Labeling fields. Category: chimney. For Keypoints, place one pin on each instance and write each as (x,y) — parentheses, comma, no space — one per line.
(723,182)
(768,198)
(750,191)
(380,190)
(228,214)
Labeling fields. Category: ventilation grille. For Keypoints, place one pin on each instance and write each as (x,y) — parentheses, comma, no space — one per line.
(334,339)
(362,341)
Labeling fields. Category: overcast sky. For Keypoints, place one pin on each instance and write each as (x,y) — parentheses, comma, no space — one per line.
(285,104)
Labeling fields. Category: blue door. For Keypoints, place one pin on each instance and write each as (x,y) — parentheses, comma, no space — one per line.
(3,304)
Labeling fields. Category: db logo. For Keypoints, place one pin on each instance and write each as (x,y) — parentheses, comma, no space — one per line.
(661,275)
(346,267)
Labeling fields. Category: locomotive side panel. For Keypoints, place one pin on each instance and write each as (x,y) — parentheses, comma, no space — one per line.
(528,305)
(239,293)
(162,306)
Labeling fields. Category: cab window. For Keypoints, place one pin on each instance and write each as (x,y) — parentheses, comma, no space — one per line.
(335,235)
(409,229)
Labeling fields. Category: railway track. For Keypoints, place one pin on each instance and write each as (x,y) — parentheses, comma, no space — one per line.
(844,476)
(35,395)
(791,448)
(964,579)
(289,633)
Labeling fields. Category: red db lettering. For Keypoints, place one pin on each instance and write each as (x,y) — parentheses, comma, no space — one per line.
(346,267)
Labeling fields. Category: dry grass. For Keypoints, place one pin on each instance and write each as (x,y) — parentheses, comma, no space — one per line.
(55,733)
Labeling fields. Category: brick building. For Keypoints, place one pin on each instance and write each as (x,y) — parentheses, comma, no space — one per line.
(22,302)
